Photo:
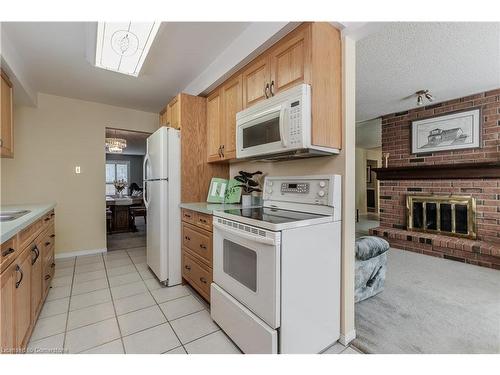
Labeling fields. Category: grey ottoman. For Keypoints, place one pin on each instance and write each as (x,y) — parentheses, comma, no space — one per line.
(371,264)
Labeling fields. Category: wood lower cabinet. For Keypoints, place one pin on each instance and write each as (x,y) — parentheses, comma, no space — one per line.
(197,253)
(6,118)
(7,309)
(22,297)
(24,282)
(36,278)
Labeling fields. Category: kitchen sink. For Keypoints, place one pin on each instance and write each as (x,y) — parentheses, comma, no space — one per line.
(9,215)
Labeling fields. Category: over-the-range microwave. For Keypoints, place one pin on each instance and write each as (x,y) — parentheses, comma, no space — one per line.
(278,128)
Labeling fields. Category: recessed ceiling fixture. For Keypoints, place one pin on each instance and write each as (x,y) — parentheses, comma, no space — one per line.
(421,94)
(123,46)
(116,145)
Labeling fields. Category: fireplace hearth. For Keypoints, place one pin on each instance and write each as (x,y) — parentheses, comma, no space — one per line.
(453,215)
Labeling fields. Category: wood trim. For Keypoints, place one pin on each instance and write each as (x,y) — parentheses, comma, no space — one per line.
(326,86)
(440,172)
(5,77)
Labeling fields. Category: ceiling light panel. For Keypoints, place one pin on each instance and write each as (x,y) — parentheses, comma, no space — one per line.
(123,46)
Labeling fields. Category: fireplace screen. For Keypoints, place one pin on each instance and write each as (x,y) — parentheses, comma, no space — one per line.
(452,215)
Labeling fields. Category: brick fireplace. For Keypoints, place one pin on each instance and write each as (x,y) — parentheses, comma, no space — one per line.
(473,173)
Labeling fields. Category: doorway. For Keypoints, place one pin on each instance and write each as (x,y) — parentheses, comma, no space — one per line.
(126,219)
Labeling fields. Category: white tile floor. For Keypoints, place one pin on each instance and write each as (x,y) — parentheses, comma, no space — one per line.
(112,303)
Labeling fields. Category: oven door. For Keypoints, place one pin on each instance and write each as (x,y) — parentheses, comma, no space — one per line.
(247,266)
(263,132)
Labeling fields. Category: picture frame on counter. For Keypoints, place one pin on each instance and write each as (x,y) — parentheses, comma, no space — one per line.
(455,131)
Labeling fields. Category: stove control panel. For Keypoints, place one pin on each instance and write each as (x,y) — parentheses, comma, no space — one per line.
(295,187)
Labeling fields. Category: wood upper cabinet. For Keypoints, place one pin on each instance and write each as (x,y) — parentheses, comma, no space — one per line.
(171,114)
(256,81)
(290,60)
(174,112)
(22,297)
(232,103)
(6,122)
(214,126)
(309,54)
(7,286)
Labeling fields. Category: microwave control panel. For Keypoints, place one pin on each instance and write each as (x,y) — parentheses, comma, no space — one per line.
(295,122)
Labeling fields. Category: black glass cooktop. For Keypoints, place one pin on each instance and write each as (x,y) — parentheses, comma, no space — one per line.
(272,215)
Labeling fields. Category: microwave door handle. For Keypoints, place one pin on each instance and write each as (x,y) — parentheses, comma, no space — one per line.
(267,241)
(283,118)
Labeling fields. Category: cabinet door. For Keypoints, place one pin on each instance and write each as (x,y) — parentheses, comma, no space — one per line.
(255,79)
(232,103)
(290,60)
(214,126)
(6,124)
(7,332)
(174,113)
(22,296)
(36,278)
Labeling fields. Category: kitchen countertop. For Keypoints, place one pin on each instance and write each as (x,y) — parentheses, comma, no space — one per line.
(10,228)
(209,208)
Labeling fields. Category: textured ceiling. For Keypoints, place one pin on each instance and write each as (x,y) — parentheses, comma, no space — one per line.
(450,59)
(57,60)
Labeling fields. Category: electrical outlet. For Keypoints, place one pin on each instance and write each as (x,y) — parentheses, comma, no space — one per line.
(77,169)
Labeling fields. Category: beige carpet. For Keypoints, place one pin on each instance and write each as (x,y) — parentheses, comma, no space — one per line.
(431,305)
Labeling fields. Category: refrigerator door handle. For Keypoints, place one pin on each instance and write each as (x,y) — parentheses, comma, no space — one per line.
(144,194)
(144,169)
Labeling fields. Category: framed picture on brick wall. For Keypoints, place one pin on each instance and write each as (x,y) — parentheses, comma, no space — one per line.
(454,131)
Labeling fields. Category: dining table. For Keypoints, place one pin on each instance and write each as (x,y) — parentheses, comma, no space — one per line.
(120,212)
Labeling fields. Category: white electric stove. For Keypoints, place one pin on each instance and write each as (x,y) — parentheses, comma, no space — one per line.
(276,277)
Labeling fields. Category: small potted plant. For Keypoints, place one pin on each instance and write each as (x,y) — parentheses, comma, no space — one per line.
(249,184)
(119,186)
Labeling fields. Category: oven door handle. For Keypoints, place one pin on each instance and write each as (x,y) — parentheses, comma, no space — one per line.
(248,236)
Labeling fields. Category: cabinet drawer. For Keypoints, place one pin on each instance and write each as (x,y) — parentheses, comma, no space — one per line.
(198,241)
(47,242)
(9,252)
(48,273)
(188,216)
(204,221)
(199,275)
(29,233)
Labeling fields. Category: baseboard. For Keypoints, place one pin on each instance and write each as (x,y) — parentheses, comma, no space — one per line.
(345,339)
(71,254)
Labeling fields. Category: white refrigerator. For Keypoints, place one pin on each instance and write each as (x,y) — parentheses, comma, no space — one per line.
(162,195)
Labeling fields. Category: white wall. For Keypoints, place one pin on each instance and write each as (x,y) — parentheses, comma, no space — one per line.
(50,141)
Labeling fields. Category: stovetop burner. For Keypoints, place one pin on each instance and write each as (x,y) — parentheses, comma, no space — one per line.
(272,215)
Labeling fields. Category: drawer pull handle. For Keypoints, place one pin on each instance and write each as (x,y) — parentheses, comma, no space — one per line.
(187,267)
(204,221)
(187,238)
(37,254)
(203,246)
(188,216)
(47,243)
(203,280)
(52,214)
(8,252)
(52,265)
(47,277)
(18,269)
(47,219)
(52,235)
